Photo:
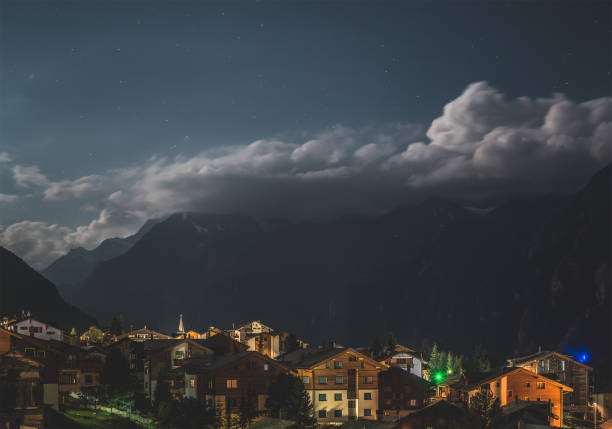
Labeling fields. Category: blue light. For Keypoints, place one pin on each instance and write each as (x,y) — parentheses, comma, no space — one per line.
(583,357)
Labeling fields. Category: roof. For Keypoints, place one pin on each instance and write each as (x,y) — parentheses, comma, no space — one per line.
(541,355)
(504,371)
(211,363)
(141,331)
(154,346)
(307,358)
(387,353)
(437,409)
(52,324)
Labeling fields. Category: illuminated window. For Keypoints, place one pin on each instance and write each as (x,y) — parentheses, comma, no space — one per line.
(562,365)
(192,382)
(338,379)
(232,384)
(337,364)
(540,385)
(322,379)
(413,403)
(266,367)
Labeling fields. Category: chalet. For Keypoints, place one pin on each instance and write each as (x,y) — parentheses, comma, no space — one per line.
(222,382)
(37,329)
(211,332)
(162,356)
(513,385)
(64,368)
(132,351)
(566,371)
(342,383)
(23,374)
(400,392)
(403,357)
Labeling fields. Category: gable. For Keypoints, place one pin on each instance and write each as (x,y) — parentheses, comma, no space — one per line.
(348,356)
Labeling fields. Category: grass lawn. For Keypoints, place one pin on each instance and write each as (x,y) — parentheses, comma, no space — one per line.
(89,419)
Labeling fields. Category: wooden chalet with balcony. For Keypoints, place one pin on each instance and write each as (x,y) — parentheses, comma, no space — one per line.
(342,383)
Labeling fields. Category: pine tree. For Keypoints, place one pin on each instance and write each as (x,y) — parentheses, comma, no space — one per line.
(116,325)
(449,363)
(485,410)
(434,360)
(116,371)
(287,398)
(377,347)
(391,342)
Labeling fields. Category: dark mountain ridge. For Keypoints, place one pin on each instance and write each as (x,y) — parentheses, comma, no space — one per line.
(533,271)
(22,288)
(79,263)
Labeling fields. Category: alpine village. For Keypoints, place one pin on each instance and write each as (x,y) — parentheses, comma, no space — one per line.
(254,375)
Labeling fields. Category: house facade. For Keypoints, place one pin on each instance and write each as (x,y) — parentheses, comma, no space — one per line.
(512,385)
(223,382)
(567,371)
(37,329)
(342,383)
(163,356)
(400,393)
(405,358)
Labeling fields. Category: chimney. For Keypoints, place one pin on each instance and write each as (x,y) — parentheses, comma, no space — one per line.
(539,349)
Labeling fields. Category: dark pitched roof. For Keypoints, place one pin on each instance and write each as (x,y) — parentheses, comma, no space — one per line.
(437,409)
(480,379)
(208,364)
(541,355)
(305,358)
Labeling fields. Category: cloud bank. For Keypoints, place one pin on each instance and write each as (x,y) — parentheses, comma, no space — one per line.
(484,143)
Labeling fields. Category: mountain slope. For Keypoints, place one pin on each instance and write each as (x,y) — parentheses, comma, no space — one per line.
(79,263)
(21,287)
(534,271)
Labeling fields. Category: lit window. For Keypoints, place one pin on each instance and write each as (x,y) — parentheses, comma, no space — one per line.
(306,380)
(265,366)
(338,379)
(232,384)
(192,382)
(413,403)
(322,397)
(562,365)
(337,364)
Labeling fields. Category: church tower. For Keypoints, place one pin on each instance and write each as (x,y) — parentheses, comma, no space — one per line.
(181,328)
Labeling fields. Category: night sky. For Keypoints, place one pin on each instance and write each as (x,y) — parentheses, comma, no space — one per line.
(115,112)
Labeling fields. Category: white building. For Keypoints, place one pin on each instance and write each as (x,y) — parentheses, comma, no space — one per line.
(37,329)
